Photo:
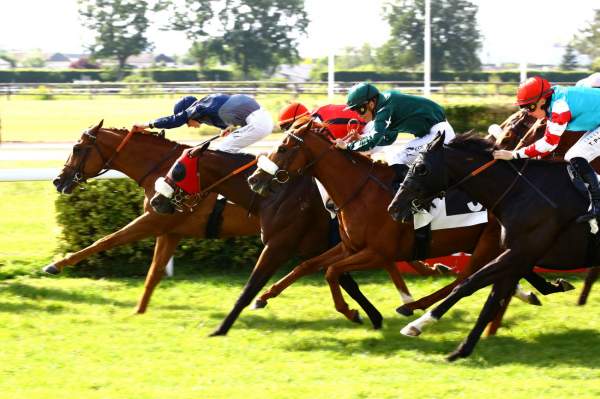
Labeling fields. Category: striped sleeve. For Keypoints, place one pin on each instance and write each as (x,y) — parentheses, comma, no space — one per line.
(555,126)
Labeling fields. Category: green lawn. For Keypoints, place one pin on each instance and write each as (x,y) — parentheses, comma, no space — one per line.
(68,337)
(31,120)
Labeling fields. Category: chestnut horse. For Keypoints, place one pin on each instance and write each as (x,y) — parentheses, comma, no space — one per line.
(370,238)
(535,201)
(143,158)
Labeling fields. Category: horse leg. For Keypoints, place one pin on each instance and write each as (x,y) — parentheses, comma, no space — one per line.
(546,287)
(312,266)
(273,255)
(590,278)
(398,281)
(163,250)
(509,264)
(494,325)
(141,227)
(424,269)
(362,260)
(485,250)
(501,292)
(305,268)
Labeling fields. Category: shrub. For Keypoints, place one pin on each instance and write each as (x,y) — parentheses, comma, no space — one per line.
(105,206)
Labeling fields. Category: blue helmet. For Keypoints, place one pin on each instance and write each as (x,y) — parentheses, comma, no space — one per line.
(184,103)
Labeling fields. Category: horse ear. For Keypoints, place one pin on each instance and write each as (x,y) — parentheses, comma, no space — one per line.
(197,151)
(438,142)
(96,127)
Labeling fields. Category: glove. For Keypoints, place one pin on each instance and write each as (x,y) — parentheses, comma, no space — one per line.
(341,144)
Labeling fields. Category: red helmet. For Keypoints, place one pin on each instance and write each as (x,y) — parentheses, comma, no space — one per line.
(290,113)
(531,90)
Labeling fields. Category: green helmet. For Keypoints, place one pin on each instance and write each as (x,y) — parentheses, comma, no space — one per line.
(359,94)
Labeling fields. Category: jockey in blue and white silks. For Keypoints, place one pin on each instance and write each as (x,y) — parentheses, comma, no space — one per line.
(241,118)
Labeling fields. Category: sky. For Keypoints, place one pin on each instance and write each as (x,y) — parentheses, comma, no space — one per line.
(513,30)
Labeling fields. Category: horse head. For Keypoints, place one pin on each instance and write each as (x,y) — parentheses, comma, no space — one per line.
(85,161)
(290,159)
(514,129)
(425,180)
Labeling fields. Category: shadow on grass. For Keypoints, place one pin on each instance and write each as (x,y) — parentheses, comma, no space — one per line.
(38,293)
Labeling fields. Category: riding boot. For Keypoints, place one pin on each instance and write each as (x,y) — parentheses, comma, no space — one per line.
(401,171)
(588,175)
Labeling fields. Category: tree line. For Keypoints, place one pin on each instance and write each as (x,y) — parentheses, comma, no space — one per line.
(256,36)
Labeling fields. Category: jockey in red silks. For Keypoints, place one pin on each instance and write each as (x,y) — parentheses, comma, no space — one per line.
(565,108)
(338,121)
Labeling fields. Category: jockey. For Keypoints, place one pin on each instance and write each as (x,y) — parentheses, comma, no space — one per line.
(338,121)
(565,108)
(591,81)
(223,111)
(393,113)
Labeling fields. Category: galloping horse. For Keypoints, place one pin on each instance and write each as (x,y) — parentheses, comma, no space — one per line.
(535,201)
(143,158)
(293,221)
(568,139)
(370,238)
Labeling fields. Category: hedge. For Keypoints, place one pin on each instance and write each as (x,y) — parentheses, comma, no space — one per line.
(105,75)
(503,76)
(105,206)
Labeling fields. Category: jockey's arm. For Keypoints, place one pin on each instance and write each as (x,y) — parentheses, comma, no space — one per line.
(382,134)
(555,127)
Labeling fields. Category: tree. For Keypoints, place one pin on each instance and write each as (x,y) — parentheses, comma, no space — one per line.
(455,38)
(120,28)
(255,35)
(569,59)
(8,58)
(588,40)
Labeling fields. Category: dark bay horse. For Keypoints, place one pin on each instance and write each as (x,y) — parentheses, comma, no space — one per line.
(536,131)
(293,221)
(370,238)
(143,158)
(536,203)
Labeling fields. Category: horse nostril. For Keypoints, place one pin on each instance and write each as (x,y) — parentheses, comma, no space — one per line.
(56,182)
(252,180)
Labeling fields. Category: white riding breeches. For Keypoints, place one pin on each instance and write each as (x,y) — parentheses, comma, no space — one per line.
(587,147)
(327,202)
(259,125)
(409,151)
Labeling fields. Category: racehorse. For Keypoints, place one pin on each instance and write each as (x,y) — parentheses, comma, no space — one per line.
(568,139)
(370,238)
(293,221)
(536,203)
(143,158)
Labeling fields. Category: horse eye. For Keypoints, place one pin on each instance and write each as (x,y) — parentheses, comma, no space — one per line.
(421,170)
(281,149)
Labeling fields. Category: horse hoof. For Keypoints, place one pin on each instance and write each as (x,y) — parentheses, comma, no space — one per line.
(404,311)
(442,269)
(532,299)
(355,318)
(565,285)
(259,304)
(218,333)
(377,323)
(410,331)
(459,353)
(51,269)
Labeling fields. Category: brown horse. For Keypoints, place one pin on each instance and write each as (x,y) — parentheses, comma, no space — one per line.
(370,238)
(144,158)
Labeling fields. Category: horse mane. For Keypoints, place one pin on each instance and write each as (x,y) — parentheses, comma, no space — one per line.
(472,141)
(156,136)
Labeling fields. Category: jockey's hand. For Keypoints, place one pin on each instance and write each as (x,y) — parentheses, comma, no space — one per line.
(353,135)
(341,144)
(139,128)
(227,131)
(503,154)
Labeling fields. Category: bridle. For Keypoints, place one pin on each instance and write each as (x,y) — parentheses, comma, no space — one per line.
(79,175)
(282,176)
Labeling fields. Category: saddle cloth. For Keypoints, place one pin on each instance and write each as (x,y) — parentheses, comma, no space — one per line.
(454,210)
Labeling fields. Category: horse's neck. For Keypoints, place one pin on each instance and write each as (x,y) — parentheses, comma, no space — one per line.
(341,177)
(138,156)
